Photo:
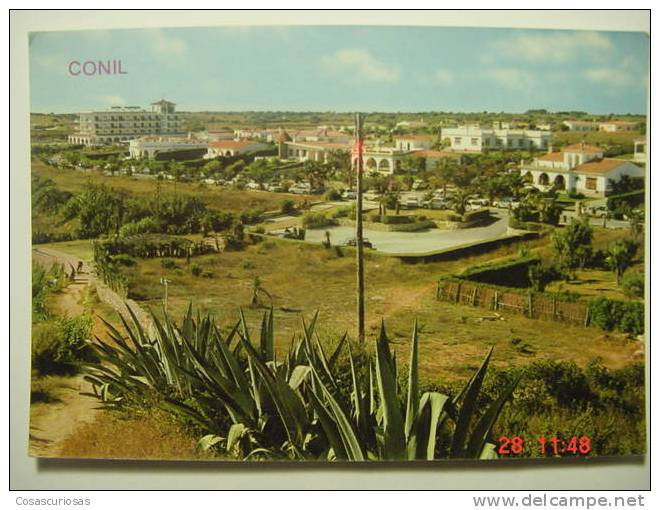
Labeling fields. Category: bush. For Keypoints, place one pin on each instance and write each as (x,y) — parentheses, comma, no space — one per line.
(124,260)
(633,284)
(332,194)
(609,314)
(251,216)
(287,206)
(317,220)
(196,270)
(396,219)
(344,212)
(59,345)
(168,264)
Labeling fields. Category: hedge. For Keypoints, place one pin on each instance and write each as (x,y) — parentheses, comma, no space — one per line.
(609,314)
(478,215)
(632,198)
(396,220)
(511,273)
(413,227)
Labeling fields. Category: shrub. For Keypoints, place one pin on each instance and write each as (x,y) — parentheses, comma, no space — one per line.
(317,220)
(196,270)
(58,346)
(332,194)
(609,314)
(168,264)
(396,219)
(344,212)
(251,216)
(633,284)
(124,260)
(287,206)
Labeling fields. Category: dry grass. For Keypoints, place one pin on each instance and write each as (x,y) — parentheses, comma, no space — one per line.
(213,196)
(152,435)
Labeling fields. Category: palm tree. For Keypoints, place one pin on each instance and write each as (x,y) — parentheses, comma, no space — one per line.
(620,257)
(460,200)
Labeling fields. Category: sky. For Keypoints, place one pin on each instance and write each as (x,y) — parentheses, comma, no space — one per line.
(387,69)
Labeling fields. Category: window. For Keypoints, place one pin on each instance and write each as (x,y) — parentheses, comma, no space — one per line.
(458,140)
(474,141)
(591,183)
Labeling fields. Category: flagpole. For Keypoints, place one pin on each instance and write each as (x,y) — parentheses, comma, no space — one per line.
(358,230)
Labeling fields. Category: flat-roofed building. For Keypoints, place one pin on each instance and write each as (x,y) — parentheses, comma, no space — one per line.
(477,139)
(581,125)
(123,123)
(229,148)
(151,147)
(613,126)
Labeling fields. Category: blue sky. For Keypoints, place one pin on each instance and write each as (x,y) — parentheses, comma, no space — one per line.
(345,69)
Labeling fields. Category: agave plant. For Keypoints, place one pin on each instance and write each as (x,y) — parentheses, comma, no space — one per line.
(255,406)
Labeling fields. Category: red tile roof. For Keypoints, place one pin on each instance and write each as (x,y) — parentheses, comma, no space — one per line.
(552,156)
(600,167)
(414,137)
(231,144)
(582,147)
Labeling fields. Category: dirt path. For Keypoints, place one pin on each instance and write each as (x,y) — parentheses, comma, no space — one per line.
(51,423)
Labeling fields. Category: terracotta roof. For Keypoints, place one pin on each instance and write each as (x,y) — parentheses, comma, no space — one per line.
(231,144)
(600,167)
(582,147)
(552,156)
(436,154)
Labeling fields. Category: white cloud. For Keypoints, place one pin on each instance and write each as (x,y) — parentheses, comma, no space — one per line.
(363,64)
(111,100)
(166,45)
(510,77)
(443,76)
(610,76)
(553,47)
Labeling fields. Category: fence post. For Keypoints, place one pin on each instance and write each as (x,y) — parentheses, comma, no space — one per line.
(586,316)
(437,291)
(554,308)
(496,300)
(458,292)
(474,296)
(530,305)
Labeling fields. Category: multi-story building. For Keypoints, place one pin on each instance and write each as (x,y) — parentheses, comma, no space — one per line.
(123,123)
(476,139)
(578,168)
(612,126)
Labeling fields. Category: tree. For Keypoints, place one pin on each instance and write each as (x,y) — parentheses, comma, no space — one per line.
(636,221)
(572,246)
(459,201)
(620,257)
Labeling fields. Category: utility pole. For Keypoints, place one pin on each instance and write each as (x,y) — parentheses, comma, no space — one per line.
(358,227)
(165,282)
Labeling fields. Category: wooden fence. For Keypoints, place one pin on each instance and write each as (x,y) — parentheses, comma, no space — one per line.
(533,305)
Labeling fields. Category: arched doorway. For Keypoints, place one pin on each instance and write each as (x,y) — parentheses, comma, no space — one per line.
(560,182)
(384,165)
(528,177)
(371,164)
(543,179)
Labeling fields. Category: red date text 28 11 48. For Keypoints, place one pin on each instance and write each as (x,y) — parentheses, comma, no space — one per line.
(553,446)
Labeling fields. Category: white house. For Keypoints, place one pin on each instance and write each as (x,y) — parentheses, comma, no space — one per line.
(413,142)
(151,146)
(640,150)
(578,168)
(580,125)
(613,126)
(476,139)
(233,148)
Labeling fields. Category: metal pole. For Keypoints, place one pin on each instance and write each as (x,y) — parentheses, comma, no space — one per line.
(358,230)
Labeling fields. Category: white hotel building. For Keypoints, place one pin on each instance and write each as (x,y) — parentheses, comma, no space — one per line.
(123,123)
(476,139)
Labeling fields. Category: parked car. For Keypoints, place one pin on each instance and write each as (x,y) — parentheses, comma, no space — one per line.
(504,203)
(419,184)
(371,196)
(435,203)
(349,195)
(599,211)
(365,242)
(477,203)
(275,188)
(411,203)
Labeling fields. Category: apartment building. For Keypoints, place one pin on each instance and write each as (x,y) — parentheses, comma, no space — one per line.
(476,139)
(123,123)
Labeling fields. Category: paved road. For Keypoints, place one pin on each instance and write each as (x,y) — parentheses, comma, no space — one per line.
(416,242)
